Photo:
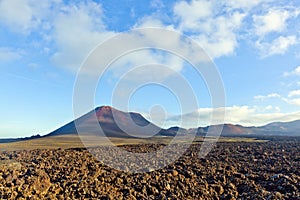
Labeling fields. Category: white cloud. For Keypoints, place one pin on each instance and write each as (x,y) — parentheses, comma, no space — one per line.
(215,32)
(294,101)
(290,99)
(127,63)
(278,46)
(204,116)
(294,93)
(243,115)
(24,15)
(293,98)
(221,42)
(152,21)
(274,32)
(8,54)
(16,13)
(242,4)
(281,44)
(264,97)
(265,118)
(296,71)
(78,29)
(190,13)
(269,107)
(273,21)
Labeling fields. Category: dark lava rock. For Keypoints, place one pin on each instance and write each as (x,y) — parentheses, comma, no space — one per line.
(229,171)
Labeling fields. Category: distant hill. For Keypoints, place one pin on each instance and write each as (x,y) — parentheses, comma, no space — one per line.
(272,129)
(7,140)
(228,129)
(177,129)
(280,128)
(114,123)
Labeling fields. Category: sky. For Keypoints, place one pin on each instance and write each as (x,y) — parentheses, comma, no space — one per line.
(255,46)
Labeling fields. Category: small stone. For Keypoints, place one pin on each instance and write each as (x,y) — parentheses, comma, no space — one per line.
(219,189)
(167,187)
(278,195)
(154,190)
(41,183)
(174,173)
(231,185)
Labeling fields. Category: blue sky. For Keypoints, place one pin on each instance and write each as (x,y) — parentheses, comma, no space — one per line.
(254,44)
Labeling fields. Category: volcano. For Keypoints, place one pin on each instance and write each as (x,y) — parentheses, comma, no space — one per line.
(110,122)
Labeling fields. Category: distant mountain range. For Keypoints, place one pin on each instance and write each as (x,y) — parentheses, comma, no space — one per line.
(272,129)
(110,119)
(116,123)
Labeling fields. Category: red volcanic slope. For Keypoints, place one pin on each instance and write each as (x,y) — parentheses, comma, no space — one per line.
(233,129)
(114,123)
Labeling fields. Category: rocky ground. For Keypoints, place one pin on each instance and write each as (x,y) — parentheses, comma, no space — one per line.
(268,170)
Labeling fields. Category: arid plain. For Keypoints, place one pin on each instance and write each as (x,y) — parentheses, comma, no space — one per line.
(236,168)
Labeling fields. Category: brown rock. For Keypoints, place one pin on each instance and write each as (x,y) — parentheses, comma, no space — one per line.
(218,188)
(41,183)
(174,173)
(231,186)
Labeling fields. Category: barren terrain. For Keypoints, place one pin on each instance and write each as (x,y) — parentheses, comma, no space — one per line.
(232,170)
